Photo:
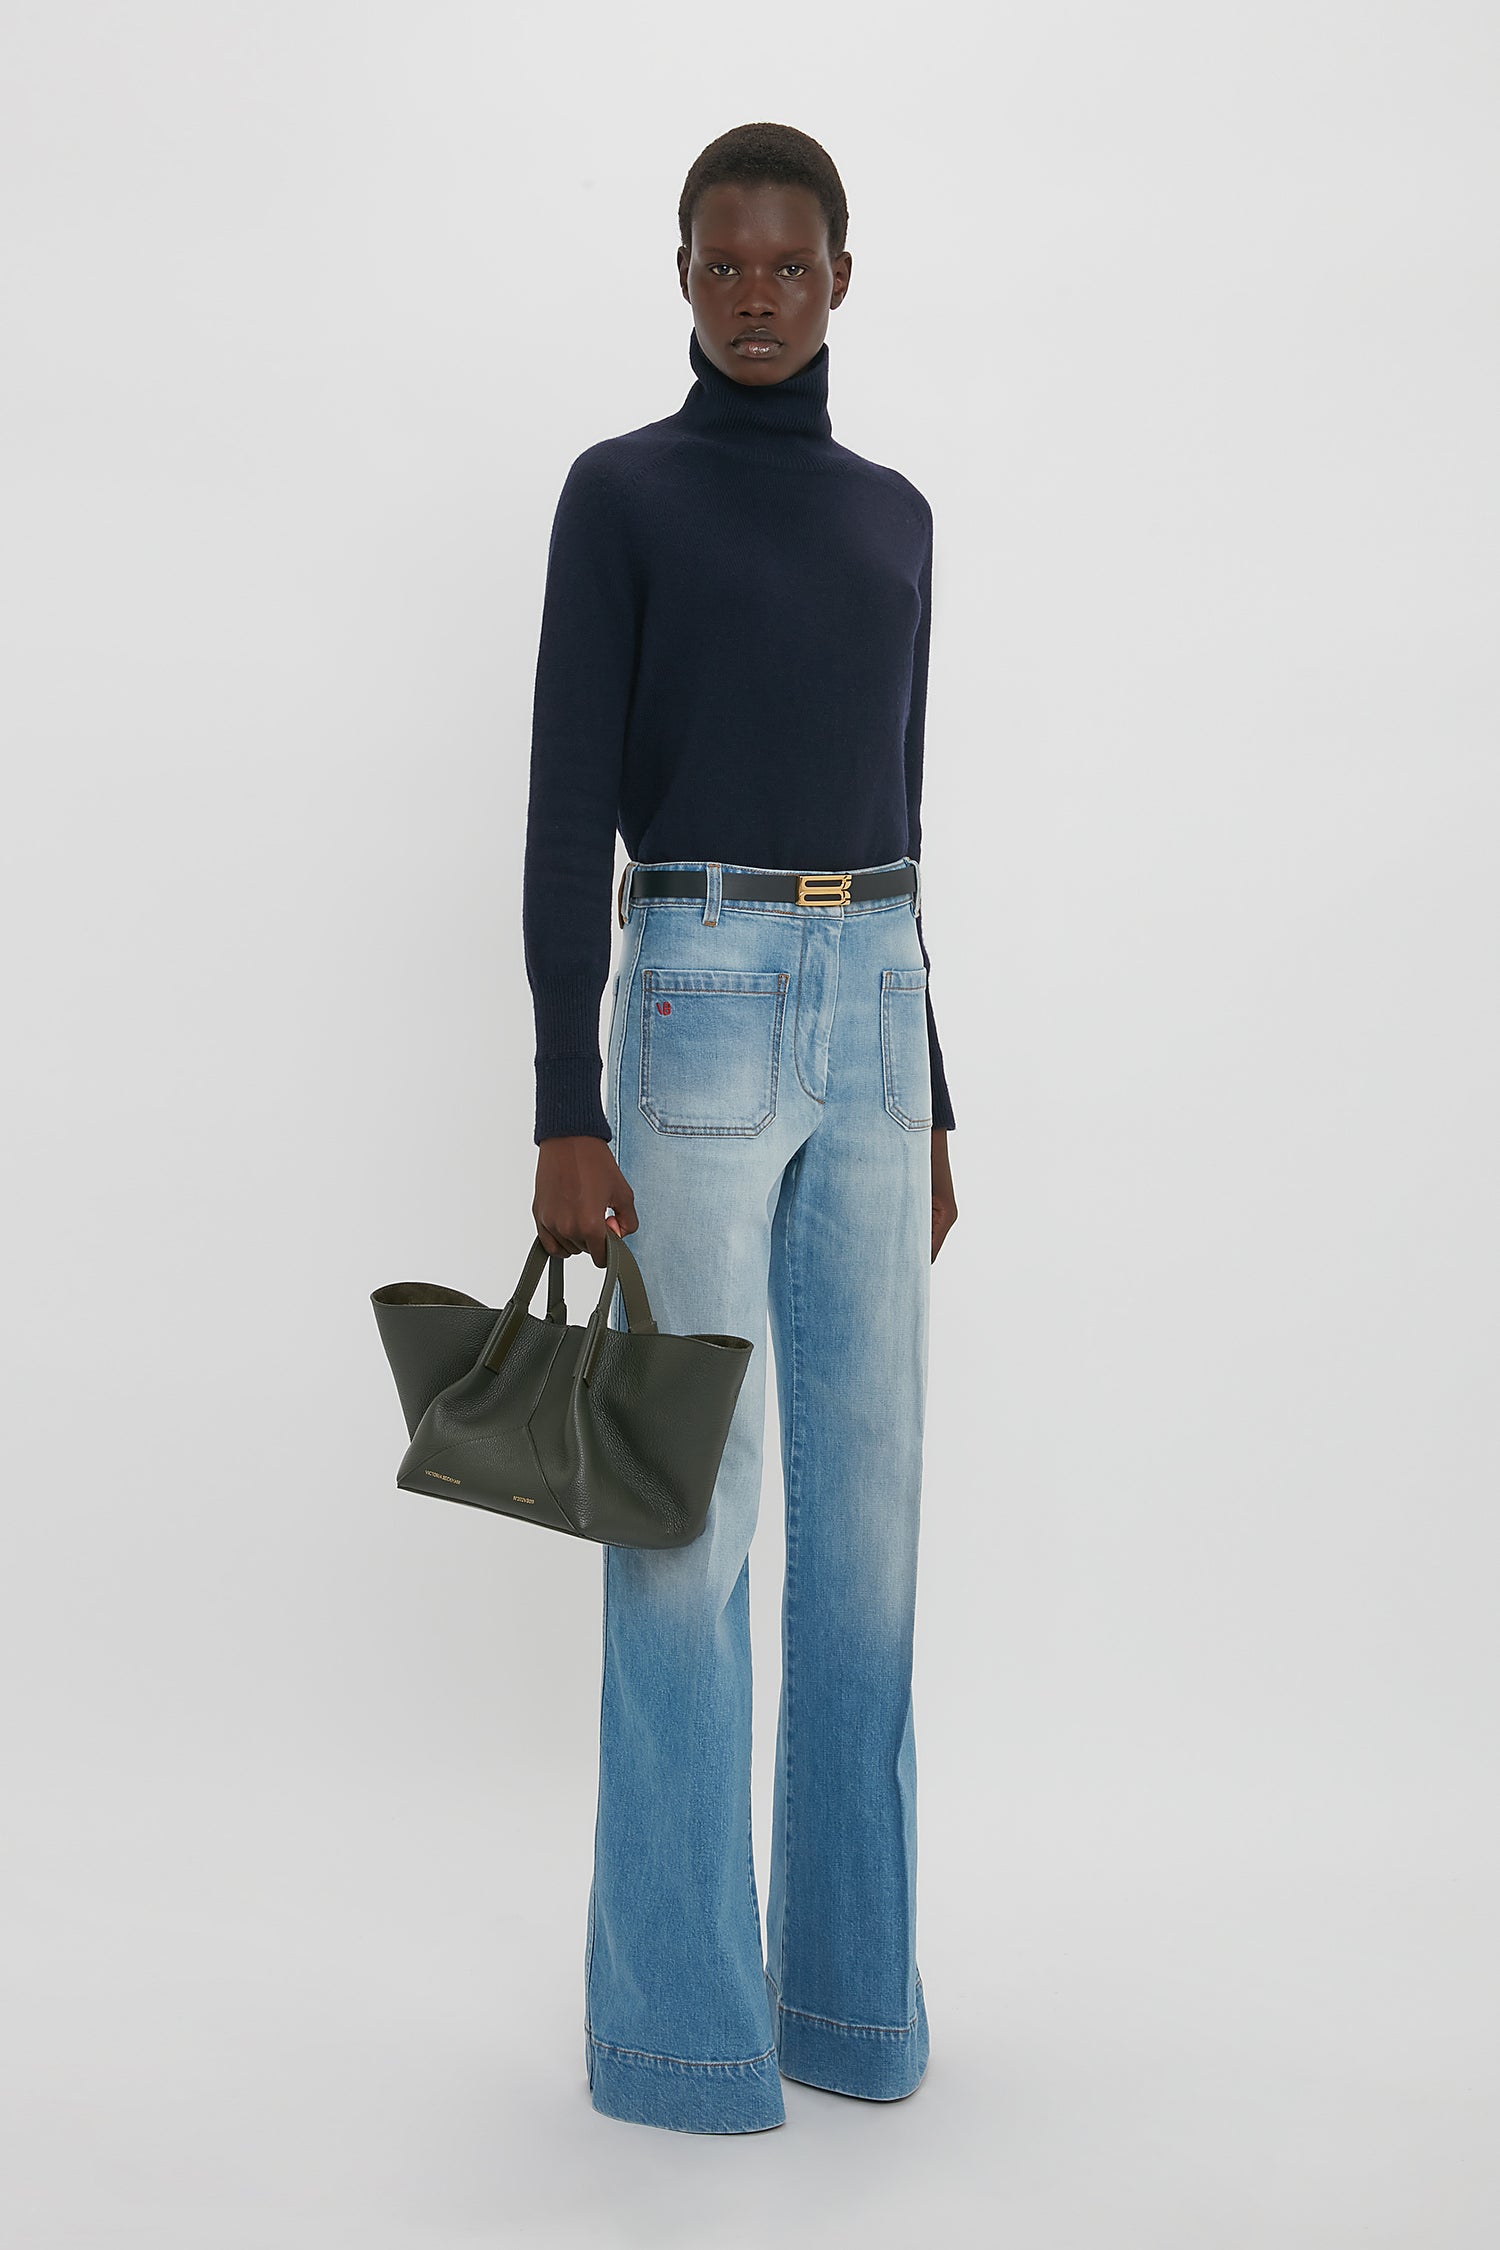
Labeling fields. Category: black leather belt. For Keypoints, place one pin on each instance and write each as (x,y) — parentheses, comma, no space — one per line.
(817,887)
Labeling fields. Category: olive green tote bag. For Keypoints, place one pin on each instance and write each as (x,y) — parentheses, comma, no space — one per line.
(609,1434)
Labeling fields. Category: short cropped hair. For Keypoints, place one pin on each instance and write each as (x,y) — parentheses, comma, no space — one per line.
(751,154)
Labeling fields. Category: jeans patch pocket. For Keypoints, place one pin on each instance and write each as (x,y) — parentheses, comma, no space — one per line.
(711,1048)
(905,1056)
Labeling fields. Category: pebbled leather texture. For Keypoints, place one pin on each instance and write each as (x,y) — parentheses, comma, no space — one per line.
(611,1435)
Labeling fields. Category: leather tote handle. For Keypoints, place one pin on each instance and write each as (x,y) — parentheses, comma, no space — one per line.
(518,1303)
(617,1270)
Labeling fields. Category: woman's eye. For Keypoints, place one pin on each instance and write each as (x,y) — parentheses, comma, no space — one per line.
(722,265)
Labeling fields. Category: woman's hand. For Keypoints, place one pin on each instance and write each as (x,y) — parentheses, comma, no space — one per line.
(577,1181)
(944,1208)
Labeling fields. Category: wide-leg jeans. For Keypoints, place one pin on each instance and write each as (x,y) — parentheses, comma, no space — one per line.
(769,1092)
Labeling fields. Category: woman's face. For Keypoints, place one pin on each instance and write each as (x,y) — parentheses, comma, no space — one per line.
(760,279)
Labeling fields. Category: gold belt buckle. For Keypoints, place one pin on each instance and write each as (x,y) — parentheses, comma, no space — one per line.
(823,890)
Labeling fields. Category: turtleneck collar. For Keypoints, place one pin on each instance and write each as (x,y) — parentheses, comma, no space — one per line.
(795,407)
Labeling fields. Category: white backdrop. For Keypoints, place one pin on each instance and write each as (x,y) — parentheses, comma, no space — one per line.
(1185,319)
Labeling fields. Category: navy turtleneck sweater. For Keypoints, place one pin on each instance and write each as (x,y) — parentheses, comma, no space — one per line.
(732,666)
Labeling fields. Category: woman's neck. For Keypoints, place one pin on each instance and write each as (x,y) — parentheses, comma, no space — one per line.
(795,407)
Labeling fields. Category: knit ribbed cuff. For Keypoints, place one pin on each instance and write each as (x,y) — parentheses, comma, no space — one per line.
(942,1107)
(567,1098)
(568,1062)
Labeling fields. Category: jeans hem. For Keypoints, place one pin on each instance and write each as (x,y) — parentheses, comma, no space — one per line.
(683,2095)
(873,2062)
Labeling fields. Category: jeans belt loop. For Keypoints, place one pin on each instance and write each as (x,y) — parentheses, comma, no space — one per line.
(916,904)
(713,893)
(630,866)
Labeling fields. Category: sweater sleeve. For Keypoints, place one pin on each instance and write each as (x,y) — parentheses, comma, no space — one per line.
(586,663)
(916,729)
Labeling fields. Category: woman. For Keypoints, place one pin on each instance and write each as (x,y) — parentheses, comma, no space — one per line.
(732,671)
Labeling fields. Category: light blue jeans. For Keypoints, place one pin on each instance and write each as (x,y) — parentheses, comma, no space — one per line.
(768,1088)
